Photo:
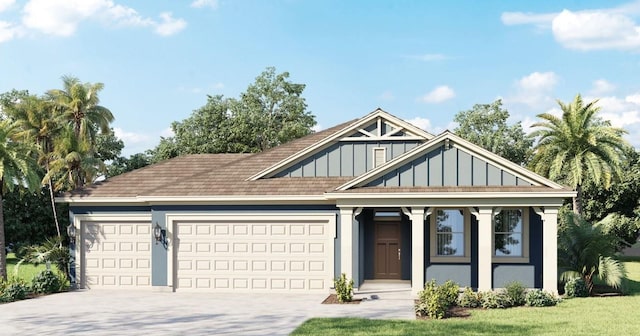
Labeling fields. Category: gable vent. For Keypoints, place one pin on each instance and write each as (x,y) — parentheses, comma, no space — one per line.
(379,156)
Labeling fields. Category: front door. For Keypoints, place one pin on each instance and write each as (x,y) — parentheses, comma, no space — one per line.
(387,250)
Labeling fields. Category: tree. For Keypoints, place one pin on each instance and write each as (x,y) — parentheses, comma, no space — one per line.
(585,251)
(577,147)
(486,126)
(122,165)
(108,146)
(79,104)
(271,112)
(16,169)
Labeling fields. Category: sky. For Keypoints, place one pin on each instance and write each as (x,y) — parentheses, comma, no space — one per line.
(423,61)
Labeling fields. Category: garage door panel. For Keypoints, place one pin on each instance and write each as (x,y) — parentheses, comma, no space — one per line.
(116,254)
(287,255)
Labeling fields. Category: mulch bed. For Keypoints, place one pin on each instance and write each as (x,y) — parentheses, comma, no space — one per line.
(453,312)
(333,299)
(604,291)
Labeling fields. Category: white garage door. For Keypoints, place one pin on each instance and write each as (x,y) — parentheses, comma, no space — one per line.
(116,254)
(254,254)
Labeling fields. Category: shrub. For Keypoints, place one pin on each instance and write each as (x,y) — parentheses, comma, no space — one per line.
(13,290)
(470,299)
(539,298)
(516,293)
(45,282)
(496,300)
(576,287)
(344,288)
(434,301)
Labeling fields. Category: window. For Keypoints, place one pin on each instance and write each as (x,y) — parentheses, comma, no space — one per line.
(450,235)
(510,229)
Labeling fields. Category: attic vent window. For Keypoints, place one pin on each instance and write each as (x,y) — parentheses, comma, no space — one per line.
(379,156)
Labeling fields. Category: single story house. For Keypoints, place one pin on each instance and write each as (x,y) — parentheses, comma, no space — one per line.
(374,198)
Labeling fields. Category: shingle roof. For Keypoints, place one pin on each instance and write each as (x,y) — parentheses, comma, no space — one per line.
(217,175)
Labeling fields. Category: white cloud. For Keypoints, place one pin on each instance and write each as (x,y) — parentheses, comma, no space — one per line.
(62,17)
(169,25)
(634,99)
(387,95)
(8,31)
(428,57)
(6,4)
(167,132)
(423,123)
(317,128)
(218,86)
(601,86)
(438,95)
(606,28)
(622,112)
(534,89)
(130,137)
(205,3)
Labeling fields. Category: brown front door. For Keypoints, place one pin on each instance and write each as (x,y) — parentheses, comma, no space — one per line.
(387,250)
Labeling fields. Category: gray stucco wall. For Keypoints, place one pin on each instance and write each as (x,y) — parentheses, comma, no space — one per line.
(451,167)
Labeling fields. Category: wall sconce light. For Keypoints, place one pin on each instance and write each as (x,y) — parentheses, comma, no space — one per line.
(160,235)
(71,231)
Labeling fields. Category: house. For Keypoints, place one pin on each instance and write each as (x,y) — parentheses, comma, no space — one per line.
(375,198)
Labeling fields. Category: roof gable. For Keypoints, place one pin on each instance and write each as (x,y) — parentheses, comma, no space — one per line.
(449,161)
(377,127)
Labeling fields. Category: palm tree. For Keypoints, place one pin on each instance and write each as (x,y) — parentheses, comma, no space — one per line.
(38,124)
(72,161)
(16,168)
(79,104)
(578,146)
(584,251)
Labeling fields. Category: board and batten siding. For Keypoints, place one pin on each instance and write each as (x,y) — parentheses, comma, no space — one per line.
(448,168)
(346,158)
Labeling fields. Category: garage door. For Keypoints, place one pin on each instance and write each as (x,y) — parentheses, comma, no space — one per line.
(242,254)
(116,254)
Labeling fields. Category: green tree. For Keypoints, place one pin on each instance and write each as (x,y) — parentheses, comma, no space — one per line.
(586,252)
(108,146)
(578,147)
(271,112)
(122,165)
(486,126)
(16,168)
(79,104)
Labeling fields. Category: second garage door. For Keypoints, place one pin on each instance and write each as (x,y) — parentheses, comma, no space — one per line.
(290,253)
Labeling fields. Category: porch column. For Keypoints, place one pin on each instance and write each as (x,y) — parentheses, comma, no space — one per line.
(550,250)
(346,242)
(417,249)
(485,252)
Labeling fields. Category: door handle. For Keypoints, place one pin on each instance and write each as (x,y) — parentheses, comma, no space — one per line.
(398,254)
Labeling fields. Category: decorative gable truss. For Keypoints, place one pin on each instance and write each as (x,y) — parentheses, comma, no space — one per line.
(449,161)
(358,148)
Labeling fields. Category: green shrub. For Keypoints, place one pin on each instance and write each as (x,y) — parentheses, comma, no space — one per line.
(45,282)
(470,299)
(434,301)
(13,290)
(516,293)
(496,300)
(576,287)
(344,288)
(539,298)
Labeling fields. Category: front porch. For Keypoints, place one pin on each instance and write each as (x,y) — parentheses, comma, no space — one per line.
(450,241)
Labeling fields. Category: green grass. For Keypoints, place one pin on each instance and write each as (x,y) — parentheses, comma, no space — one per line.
(579,316)
(25,271)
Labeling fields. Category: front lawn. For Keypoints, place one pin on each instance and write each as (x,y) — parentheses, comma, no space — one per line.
(25,271)
(579,316)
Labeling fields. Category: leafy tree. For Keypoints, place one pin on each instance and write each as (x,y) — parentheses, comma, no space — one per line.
(578,147)
(166,149)
(108,146)
(79,104)
(122,165)
(271,112)
(584,251)
(16,168)
(486,126)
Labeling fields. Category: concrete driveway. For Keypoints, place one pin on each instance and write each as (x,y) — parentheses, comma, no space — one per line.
(101,312)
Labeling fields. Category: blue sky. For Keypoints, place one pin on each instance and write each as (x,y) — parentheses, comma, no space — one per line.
(420,60)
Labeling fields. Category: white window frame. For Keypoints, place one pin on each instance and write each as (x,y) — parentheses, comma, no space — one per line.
(524,258)
(435,258)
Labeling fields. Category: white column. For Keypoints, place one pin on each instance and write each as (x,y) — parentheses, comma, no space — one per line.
(550,250)
(417,249)
(485,249)
(346,242)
